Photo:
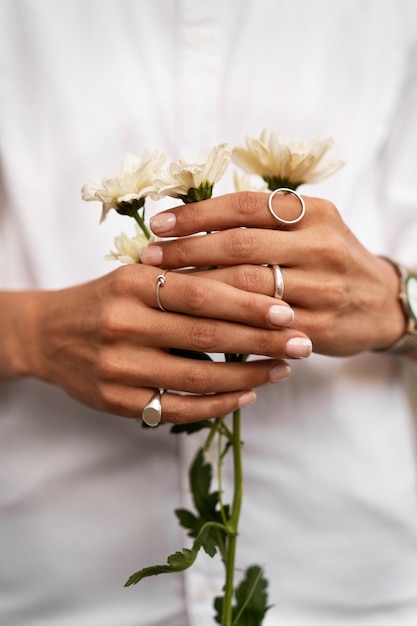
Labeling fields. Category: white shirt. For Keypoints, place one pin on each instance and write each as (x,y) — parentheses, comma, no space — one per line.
(86,499)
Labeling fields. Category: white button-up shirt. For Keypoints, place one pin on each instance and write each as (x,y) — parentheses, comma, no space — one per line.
(86,499)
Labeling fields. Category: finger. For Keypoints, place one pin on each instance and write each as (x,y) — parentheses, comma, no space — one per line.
(178,408)
(213,336)
(252,278)
(198,295)
(160,369)
(298,289)
(183,409)
(229,247)
(244,208)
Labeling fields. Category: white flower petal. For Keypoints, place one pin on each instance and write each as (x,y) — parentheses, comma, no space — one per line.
(188,173)
(134,182)
(270,156)
(129,249)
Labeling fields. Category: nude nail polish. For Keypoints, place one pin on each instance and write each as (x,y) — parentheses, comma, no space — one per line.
(163,223)
(247,398)
(279,372)
(152,255)
(280,315)
(298,347)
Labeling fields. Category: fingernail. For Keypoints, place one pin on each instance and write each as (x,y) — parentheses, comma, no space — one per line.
(248,398)
(163,223)
(280,315)
(279,372)
(152,255)
(298,347)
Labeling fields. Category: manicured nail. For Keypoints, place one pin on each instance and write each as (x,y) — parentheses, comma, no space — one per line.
(152,255)
(280,315)
(163,223)
(248,398)
(279,372)
(298,347)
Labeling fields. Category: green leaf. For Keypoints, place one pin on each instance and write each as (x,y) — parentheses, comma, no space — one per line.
(251,600)
(192,427)
(177,562)
(200,482)
(188,520)
(208,519)
(208,540)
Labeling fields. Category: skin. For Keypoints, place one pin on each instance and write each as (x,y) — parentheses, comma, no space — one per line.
(344,298)
(106,342)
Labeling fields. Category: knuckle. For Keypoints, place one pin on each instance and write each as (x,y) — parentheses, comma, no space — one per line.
(264,343)
(193,216)
(124,279)
(203,335)
(108,400)
(182,252)
(196,295)
(240,243)
(197,381)
(248,278)
(105,366)
(324,328)
(108,325)
(182,412)
(243,203)
(322,208)
(338,256)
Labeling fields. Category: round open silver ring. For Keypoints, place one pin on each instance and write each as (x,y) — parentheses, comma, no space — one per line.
(160,282)
(281,219)
(278,281)
(152,412)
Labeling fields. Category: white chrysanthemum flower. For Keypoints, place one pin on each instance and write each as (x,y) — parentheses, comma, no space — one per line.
(193,179)
(129,249)
(286,164)
(245,183)
(131,187)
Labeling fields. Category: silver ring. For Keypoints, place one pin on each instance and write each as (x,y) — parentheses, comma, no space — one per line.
(281,219)
(160,282)
(152,412)
(278,281)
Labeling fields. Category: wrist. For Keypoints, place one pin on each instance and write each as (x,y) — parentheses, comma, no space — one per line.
(19,323)
(405,342)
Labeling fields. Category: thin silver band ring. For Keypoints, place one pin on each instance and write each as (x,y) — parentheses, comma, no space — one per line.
(152,412)
(281,219)
(160,282)
(278,281)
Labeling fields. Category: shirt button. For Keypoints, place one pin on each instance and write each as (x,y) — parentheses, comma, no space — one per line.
(198,37)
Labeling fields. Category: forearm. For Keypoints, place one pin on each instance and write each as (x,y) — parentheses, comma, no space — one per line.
(18,315)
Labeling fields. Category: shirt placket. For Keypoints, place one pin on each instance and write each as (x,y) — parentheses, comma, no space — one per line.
(198,74)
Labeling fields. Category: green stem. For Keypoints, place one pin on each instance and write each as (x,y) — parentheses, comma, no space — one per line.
(142,225)
(234,521)
(217,424)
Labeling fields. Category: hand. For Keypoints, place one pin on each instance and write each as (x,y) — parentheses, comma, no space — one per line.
(344,298)
(106,342)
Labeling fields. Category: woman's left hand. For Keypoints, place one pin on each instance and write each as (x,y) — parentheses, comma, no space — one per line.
(344,298)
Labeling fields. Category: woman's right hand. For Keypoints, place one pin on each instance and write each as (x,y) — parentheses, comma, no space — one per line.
(106,342)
